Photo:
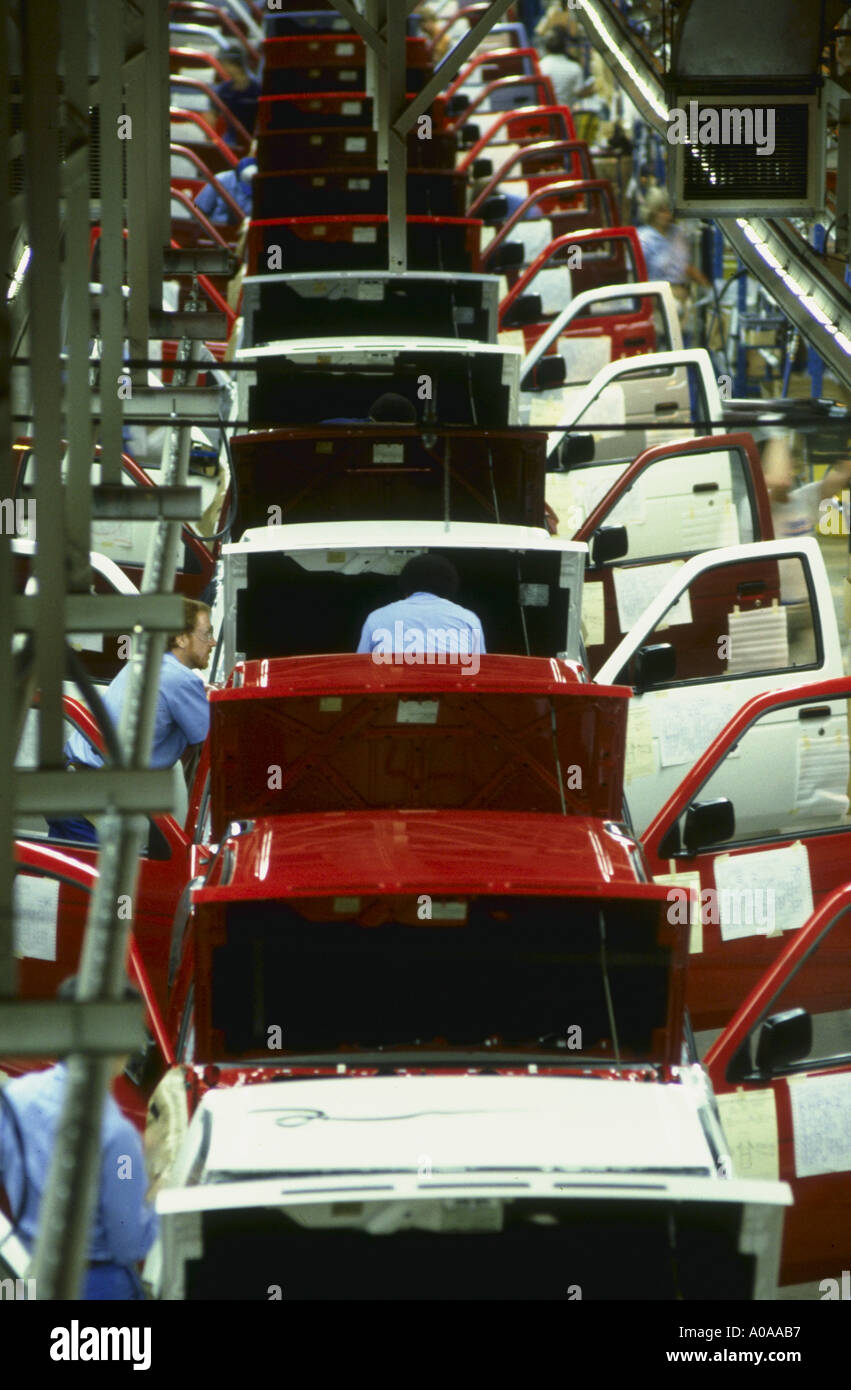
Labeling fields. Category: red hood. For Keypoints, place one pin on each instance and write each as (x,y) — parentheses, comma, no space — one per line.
(338,733)
(409,852)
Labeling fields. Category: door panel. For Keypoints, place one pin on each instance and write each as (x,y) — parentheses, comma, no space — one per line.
(682,504)
(794,1119)
(789,851)
(729,636)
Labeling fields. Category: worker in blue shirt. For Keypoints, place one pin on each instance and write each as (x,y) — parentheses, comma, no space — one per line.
(426,622)
(236,182)
(124,1225)
(240,93)
(182,715)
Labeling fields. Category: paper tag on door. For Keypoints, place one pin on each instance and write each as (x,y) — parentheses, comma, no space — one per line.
(749,1119)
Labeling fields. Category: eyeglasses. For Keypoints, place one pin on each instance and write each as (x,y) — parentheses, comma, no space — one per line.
(209,637)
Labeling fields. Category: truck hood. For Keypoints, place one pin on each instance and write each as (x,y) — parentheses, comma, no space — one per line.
(481,1187)
(349,734)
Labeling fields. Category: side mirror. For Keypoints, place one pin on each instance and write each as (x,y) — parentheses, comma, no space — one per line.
(508,256)
(708,823)
(783,1039)
(576,449)
(482,169)
(468,135)
(609,543)
(458,103)
(494,208)
(527,308)
(654,665)
(548,372)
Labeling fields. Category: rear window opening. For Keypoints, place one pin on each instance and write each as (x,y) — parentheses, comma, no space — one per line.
(487,971)
(600,1249)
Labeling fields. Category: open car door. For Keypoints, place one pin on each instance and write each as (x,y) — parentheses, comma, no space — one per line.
(597,327)
(782,1075)
(760,863)
(727,625)
(673,502)
(658,398)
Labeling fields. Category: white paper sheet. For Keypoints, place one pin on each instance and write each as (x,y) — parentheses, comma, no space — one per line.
(821,1124)
(585,357)
(640,757)
(705,527)
(36,909)
(822,772)
(636,588)
(689,879)
(749,1119)
(769,891)
(687,722)
(417,711)
(593,614)
(759,640)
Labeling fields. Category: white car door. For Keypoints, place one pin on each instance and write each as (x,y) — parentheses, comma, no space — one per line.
(657,398)
(726,625)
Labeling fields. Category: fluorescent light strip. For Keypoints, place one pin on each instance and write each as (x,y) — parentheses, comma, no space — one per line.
(20,272)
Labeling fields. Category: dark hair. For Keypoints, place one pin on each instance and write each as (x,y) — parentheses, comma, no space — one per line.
(393,409)
(429,574)
(556,40)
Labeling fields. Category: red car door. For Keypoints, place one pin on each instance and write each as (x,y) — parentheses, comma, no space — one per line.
(714,486)
(782,765)
(164,867)
(782,1074)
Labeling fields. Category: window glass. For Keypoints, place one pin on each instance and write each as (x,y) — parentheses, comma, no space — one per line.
(685,505)
(822,986)
(733,619)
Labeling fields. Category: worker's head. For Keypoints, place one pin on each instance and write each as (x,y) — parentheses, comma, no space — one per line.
(67,992)
(195,641)
(780,462)
(657,209)
(430,22)
(429,574)
(392,409)
(232,59)
(555,40)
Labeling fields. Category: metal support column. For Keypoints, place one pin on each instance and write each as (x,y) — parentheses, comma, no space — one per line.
(78,423)
(41,46)
(8,966)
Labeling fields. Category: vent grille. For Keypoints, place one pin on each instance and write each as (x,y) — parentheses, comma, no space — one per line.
(712,173)
(17,166)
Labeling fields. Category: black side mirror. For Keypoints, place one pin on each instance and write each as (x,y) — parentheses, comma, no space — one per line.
(526,309)
(482,169)
(548,371)
(609,543)
(708,823)
(468,135)
(783,1039)
(458,103)
(508,256)
(576,449)
(654,665)
(494,208)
